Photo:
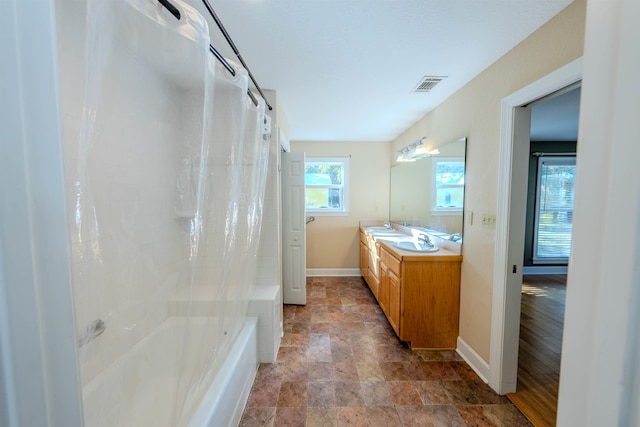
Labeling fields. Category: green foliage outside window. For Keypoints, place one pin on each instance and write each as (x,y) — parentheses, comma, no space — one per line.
(332,171)
(324,185)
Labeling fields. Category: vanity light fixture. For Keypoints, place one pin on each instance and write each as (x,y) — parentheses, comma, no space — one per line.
(404,155)
(415,151)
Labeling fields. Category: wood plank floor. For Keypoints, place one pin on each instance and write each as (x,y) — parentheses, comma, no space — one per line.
(541,324)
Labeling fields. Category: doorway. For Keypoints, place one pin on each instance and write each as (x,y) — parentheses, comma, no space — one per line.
(511,208)
(547,248)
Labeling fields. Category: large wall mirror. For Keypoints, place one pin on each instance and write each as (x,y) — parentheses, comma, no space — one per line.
(429,192)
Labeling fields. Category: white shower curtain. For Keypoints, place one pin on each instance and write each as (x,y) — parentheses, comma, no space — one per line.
(166,160)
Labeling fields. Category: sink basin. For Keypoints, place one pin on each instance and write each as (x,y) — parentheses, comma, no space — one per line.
(378,230)
(383,232)
(387,234)
(413,246)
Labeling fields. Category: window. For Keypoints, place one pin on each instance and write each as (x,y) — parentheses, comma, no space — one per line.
(554,210)
(326,189)
(447,194)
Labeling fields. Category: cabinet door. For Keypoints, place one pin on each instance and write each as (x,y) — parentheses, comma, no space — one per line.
(394,300)
(364,260)
(383,288)
(374,283)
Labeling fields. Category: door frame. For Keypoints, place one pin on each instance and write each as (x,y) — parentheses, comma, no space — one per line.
(505,316)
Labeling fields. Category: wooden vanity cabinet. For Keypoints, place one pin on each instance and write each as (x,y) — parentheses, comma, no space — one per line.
(364,261)
(394,301)
(383,288)
(389,271)
(369,263)
(430,301)
(419,294)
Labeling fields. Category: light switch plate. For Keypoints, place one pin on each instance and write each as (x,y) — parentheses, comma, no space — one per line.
(488,220)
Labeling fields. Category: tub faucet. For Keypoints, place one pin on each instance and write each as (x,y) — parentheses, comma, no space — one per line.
(96,328)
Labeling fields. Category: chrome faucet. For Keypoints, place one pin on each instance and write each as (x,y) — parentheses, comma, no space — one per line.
(388,225)
(423,238)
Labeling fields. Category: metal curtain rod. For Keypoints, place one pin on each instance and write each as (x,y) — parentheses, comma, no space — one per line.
(235,49)
(230,69)
(175,12)
(171,8)
(222,60)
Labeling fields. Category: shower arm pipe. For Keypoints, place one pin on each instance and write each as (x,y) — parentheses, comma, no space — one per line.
(230,69)
(226,35)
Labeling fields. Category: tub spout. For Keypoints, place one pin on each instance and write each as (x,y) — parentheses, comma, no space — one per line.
(93,331)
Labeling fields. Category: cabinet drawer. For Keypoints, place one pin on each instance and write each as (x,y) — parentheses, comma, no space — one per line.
(392,263)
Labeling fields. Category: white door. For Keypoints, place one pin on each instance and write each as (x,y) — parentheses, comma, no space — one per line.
(294,263)
(515,242)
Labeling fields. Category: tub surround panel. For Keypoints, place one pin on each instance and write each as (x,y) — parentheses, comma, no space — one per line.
(264,304)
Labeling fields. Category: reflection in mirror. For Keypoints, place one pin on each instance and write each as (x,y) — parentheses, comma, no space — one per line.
(429,192)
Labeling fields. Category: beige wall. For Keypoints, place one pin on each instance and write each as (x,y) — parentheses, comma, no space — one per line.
(474,112)
(332,241)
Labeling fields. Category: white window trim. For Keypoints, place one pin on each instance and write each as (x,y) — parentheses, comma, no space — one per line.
(344,211)
(442,211)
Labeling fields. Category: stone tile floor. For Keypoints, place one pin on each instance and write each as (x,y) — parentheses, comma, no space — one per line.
(341,364)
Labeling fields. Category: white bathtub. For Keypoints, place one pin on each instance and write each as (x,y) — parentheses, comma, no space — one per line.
(138,389)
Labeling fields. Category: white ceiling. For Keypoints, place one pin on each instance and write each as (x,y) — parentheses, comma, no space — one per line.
(346,69)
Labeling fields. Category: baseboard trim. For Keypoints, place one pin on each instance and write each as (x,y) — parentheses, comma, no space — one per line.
(545,269)
(474,360)
(319,272)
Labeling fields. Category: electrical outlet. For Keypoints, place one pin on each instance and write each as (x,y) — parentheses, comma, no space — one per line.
(488,220)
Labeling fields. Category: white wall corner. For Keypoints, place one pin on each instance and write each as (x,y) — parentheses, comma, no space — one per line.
(475,361)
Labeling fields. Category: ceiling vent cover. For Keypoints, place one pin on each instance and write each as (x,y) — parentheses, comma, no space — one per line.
(428,82)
